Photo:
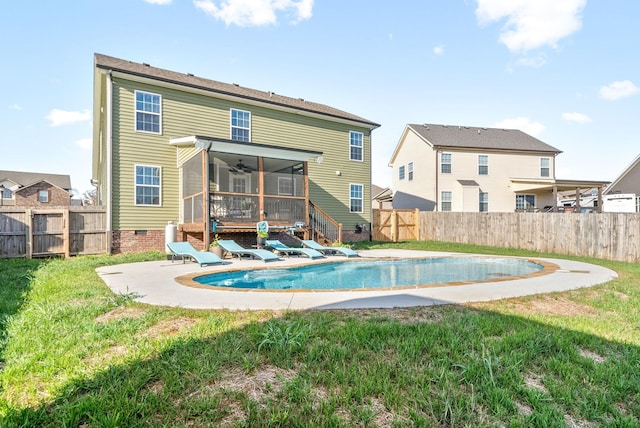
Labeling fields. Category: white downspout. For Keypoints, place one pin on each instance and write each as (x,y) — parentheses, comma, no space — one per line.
(109,190)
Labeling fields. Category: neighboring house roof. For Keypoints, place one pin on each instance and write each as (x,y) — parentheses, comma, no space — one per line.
(109,63)
(631,167)
(26,179)
(23,188)
(467,137)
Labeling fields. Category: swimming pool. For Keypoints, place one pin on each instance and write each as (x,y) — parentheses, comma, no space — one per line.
(372,274)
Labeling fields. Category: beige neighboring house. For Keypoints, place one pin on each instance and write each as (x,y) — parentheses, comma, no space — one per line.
(382,197)
(32,189)
(625,186)
(475,169)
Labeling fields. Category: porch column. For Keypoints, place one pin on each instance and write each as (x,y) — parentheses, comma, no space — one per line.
(555,199)
(577,199)
(261,189)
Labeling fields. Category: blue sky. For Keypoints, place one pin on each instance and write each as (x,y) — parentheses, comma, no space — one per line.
(563,71)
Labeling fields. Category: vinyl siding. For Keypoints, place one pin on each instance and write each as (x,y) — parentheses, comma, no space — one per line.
(185,114)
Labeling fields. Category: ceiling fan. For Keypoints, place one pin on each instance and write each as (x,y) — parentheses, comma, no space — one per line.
(240,168)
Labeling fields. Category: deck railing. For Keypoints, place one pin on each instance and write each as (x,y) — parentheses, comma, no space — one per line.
(322,226)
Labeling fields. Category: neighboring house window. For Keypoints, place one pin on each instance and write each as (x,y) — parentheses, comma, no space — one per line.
(148,112)
(445,201)
(544,167)
(43,196)
(356,198)
(355,146)
(483,165)
(445,163)
(524,202)
(240,125)
(286,186)
(401,173)
(147,185)
(484,202)
(7,194)
(410,170)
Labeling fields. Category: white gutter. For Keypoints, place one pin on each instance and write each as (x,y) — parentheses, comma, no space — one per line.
(109,138)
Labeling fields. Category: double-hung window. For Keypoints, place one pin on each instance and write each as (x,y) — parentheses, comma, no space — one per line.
(356,198)
(286,186)
(356,148)
(148,112)
(445,163)
(410,171)
(240,125)
(544,167)
(484,202)
(401,172)
(43,196)
(445,201)
(147,185)
(483,165)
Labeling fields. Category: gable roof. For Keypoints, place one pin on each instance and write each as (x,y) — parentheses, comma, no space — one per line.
(25,179)
(624,173)
(480,138)
(24,188)
(188,80)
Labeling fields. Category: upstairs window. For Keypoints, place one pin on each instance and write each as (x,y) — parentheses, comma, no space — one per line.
(410,170)
(148,112)
(483,165)
(356,146)
(356,198)
(7,193)
(147,185)
(445,201)
(544,167)
(445,163)
(401,173)
(43,196)
(240,125)
(484,202)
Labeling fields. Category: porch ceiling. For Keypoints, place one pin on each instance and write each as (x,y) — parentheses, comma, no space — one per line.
(248,149)
(525,185)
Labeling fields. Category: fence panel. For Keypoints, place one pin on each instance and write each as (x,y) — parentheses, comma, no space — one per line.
(14,233)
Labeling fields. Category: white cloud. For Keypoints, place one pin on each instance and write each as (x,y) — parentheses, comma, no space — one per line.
(61,117)
(85,143)
(524,124)
(532,24)
(15,107)
(438,50)
(616,90)
(576,117)
(159,1)
(247,13)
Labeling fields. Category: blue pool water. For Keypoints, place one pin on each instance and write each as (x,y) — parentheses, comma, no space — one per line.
(349,275)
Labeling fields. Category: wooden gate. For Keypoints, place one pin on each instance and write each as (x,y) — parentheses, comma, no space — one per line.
(396,225)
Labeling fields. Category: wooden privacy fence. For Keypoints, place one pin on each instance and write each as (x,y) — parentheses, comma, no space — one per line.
(610,236)
(36,232)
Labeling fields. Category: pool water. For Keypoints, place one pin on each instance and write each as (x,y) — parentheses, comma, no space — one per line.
(349,275)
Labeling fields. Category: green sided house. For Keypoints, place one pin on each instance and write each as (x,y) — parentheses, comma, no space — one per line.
(216,158)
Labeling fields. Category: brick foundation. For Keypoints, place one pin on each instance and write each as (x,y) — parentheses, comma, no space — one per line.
(136,241)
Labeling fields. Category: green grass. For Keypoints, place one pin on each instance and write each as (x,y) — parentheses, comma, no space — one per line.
(73,354)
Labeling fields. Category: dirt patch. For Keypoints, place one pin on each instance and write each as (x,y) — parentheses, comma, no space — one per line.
(523,409)
(258,385)
(414,315)
(533,381)
(596,358)
(553,306)
(169,327)
(119,313)
(573,423)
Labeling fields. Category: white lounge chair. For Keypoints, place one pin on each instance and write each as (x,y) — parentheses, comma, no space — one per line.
(348,252)
(281,248)
(230,246)
(186,250)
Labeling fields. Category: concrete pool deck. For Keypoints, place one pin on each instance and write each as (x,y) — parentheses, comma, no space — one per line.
(156,283)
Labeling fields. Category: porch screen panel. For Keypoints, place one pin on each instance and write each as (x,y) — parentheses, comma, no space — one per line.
(192,190)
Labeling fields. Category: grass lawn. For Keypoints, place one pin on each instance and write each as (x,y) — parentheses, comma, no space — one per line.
(73,354)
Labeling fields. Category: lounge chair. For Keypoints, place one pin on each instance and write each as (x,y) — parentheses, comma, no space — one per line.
(186,250)
(348,252)
(281,248)
(230,246)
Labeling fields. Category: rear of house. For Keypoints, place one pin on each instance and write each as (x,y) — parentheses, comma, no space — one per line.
(214,157)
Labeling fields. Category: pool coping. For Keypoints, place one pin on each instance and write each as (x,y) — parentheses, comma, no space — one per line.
(156,283)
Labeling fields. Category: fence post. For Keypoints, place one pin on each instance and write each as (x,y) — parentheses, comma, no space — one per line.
(416,223)
(65,233)
(394,226)
(28,237)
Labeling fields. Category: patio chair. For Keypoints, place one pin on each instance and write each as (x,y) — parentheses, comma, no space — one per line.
(281,248)
(186,250)
(230,246)
(347,252)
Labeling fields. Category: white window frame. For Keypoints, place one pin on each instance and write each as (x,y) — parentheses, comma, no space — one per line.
(291,183)
(401,173)
(147,185)
(240,127)
(45,199)
(150,113)
(483,161)
(247,180)
(544,161)
(7,193)
(356,142)
(352,198)
(523,197)
(484,202)
(446,200)
(410,171)
(443,163)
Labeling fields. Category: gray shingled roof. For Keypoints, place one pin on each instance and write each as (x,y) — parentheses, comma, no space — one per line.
(480,138)
(189,80)
(29,178)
